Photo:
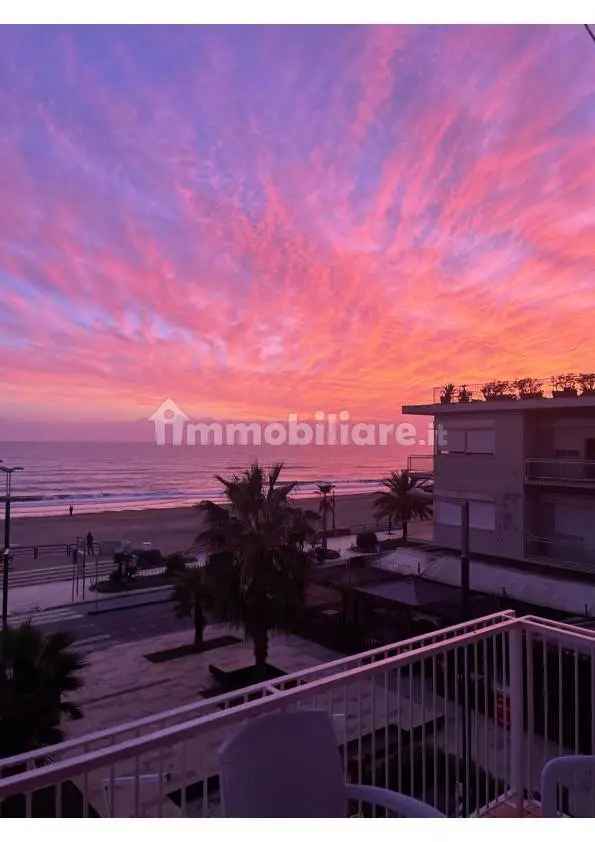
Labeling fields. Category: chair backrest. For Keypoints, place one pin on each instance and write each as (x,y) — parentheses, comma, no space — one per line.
(568,786)
(283,765)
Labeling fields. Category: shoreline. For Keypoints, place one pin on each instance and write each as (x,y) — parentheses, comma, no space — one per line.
(168,529)
(23,509)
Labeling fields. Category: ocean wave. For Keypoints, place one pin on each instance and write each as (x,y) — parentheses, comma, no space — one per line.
(106,478)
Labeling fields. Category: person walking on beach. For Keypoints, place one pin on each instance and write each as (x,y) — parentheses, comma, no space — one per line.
(90,547)
(70,509)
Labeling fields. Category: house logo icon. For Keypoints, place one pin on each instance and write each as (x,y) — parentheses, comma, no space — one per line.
(169,414)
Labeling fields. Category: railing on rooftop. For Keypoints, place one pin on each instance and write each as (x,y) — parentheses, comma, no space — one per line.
(463,718)
(421,463)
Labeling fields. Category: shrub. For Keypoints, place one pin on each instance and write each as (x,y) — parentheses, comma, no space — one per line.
(126,566)
(321,554)
(391,543)
(367,542)
(175,564)
(149,558)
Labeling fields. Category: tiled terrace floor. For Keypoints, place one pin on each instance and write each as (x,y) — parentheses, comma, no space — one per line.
(120,684)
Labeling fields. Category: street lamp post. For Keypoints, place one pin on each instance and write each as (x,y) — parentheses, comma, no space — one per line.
(6,554)
(464,510)
(465,559)
(461,677)
(326,505)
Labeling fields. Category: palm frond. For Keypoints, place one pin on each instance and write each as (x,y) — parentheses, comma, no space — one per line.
(35,671)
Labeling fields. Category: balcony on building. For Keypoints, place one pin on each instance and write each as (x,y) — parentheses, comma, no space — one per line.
(421,465)
(559,471)
(463,718)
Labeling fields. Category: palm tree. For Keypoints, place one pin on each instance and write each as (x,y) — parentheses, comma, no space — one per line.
(191,597)
(301,530)
(404,500)
(258,573)
(35,671)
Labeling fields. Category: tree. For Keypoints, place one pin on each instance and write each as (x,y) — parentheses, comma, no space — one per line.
(191,596)
(404,500)
(301,529)
(259,572)
(35,671)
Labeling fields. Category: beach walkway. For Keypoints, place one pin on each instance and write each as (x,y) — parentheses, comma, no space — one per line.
(37,594)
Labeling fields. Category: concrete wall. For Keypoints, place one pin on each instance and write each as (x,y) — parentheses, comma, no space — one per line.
(497,477)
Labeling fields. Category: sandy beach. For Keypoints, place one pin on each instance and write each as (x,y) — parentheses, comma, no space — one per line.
(168,529)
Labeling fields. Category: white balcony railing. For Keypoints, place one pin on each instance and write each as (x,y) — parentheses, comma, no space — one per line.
(463,718)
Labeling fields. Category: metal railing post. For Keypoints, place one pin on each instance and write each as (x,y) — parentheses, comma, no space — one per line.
(515,642)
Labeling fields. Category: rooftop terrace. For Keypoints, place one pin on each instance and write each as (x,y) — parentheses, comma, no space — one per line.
(558,392)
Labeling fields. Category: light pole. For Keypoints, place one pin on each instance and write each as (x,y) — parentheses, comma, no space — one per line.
(464,510)
(6,554)
(326,505)
(464,558)
(461,678)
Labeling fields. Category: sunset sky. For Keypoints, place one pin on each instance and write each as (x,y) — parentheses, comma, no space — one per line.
(263,220)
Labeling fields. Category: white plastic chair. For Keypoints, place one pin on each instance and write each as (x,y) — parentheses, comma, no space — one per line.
(568,787)
(287,765)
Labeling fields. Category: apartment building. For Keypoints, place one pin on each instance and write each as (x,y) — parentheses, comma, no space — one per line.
(526,465)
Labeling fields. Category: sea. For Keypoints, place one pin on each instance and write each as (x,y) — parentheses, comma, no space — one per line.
(107,476)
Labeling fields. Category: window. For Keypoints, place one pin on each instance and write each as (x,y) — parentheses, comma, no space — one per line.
(482,515)
(480,441)
(455,441)
(448,514)
(467,441)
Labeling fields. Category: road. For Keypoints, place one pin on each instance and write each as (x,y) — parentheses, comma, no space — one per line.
(122,620)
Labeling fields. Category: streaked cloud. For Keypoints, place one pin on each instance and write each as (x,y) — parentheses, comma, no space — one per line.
(264,220)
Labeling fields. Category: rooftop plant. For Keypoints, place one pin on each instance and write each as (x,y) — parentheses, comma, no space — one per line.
(586,383)
(497,390)
(464,394)
(564,384)
(447,393)
(528,387)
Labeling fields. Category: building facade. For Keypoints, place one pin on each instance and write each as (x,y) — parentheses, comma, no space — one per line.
(526,468)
